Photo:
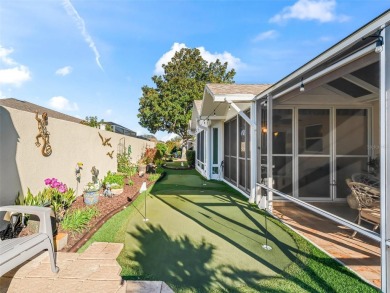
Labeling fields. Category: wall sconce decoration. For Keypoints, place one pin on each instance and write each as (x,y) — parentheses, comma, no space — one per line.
(379,41)
(105,141)
(302,87)
(379,45)
(43,134)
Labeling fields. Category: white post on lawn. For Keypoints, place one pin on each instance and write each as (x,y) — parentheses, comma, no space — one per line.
(143,189)
(385,159)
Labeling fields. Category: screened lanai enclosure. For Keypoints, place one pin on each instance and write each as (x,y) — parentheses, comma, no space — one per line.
(300,139)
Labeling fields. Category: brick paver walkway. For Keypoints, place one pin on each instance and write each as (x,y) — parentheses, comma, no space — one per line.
(360,254)
(95,270)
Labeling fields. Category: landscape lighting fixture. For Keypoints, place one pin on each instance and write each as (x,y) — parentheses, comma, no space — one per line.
(302,87)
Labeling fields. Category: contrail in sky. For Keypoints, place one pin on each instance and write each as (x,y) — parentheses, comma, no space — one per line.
(81,25)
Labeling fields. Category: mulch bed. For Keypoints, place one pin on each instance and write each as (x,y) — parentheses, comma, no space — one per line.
(105,205)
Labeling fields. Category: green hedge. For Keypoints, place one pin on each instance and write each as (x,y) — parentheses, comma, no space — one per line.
(191,158)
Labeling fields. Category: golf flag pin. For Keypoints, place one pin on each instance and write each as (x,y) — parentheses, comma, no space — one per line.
(143,187)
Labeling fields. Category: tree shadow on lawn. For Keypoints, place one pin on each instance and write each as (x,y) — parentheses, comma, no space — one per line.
(296,255)
(185,265)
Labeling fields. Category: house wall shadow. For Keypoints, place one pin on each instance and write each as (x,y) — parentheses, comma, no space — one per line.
(9,176)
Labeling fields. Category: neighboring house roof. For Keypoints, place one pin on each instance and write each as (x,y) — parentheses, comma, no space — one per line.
(118,125)
(117,128)
(236,89)
(30,107)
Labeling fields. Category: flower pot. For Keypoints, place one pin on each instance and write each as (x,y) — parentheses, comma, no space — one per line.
(91,197)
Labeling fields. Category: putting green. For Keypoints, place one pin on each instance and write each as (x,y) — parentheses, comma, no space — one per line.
(201,239)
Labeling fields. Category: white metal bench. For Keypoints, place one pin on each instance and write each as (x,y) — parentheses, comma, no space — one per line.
(14,252)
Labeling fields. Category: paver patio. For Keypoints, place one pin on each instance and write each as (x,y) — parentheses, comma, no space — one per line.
(360,254)
(95,270)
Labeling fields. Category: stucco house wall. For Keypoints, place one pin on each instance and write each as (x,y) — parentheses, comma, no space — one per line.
(23,166)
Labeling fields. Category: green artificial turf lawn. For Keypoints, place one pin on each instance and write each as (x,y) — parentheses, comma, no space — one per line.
(202,236)
(177,164)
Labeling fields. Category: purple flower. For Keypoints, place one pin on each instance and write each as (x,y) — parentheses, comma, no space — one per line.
(56,184)
(47,181)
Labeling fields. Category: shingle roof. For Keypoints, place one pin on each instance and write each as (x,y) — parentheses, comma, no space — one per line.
(198,105)
(30,107)
(234,89)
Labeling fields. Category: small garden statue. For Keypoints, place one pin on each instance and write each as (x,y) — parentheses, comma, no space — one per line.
(95,175)
(107,190)
(78,169)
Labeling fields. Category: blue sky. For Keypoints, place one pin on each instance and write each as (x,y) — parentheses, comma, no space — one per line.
(91,57)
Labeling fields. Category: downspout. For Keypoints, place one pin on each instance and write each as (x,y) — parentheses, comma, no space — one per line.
(252,123)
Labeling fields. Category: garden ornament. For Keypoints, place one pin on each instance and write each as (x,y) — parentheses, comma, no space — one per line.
(105,141)
(43,134)
(107,190)
(95,174)
(110,154)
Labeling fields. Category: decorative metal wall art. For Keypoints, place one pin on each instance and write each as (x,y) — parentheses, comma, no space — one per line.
(43,134)
(110,154)
(105,141)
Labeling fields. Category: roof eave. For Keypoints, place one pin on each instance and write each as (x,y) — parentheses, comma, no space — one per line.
(356,36)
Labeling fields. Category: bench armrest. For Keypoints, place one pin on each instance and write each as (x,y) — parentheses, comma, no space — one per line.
(42,212)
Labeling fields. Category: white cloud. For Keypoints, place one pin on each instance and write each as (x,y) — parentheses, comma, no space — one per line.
(271,34)
(233,62)
(60,103)
(16,73)
(81,25)
(168,136)
(320,10)
(64,70)
(166,57)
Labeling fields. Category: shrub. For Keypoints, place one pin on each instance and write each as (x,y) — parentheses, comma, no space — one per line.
(115,180)
(155,176)
(78,220)
(125,166)
(191,158)
(162,148)
(150,156)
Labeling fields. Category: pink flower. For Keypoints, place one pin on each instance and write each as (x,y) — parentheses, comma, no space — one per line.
(62,188)
(47,181)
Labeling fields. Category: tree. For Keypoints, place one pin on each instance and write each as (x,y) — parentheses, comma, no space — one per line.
(95,123)
(167,107)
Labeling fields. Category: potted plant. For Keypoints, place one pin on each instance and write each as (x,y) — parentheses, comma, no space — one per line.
(91,193)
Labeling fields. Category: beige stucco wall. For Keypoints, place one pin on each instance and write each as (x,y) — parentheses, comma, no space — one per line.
(23,166)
